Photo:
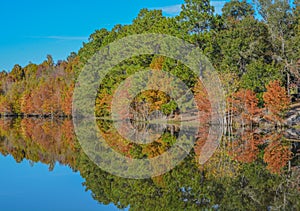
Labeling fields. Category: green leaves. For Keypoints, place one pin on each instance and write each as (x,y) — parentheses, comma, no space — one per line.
(258,75)
(196,16)
(237,10)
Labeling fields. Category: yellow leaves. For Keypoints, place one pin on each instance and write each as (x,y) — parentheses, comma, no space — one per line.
(5,107)
(155,99)
(157,63)
(156,148)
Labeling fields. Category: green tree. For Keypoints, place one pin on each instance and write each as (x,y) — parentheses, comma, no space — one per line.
(196,16)
(243,43)
(237,10)
(278,16)
(258,75)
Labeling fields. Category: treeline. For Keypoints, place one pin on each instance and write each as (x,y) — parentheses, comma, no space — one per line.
(254,47)
(45,89)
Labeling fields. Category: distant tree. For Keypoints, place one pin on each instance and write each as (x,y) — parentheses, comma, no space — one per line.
(17,73)
(241,44)
(258,75)
(5,106)
(50,60)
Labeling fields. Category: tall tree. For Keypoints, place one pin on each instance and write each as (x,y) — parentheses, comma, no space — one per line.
(237,10)
(278,16)
(197,16)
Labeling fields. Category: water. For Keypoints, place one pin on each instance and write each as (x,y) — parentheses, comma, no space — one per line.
(33,187)
(43,167)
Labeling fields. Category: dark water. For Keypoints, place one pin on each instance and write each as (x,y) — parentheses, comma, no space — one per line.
(43,167)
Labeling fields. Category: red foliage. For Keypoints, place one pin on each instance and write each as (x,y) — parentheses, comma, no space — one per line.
(244,103)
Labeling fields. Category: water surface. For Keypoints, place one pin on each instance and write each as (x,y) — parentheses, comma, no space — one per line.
(43,167)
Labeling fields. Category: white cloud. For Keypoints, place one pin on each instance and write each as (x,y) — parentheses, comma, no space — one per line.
(170,10)
(175,9)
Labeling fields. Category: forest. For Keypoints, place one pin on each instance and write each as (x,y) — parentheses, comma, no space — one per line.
(254,47)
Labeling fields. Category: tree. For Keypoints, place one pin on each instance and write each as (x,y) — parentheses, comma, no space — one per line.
(278,16)
(203,103)
(258,75)
(196,16)
(50,61)
(237,10)
(243,43)
(244,105)
(5,107)
(276,100)
(17,73)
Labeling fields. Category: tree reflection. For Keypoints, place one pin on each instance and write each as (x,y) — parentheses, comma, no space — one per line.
(247,172)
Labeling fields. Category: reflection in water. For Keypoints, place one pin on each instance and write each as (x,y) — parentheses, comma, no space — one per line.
(251,169)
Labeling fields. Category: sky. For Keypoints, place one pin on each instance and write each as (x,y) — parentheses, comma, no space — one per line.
(29,30)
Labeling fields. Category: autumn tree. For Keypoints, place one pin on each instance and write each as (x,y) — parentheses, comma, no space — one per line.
(244,106)
(276,100)
(203,103)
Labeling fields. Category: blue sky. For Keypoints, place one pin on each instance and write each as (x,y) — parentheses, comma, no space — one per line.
(32,29)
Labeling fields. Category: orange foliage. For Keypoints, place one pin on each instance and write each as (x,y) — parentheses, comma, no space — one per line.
(246,148)
(277,154)
(53,97)
(276,100)
(67,97)
(244,103)
(55,140)
(202,101)
(157,63)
